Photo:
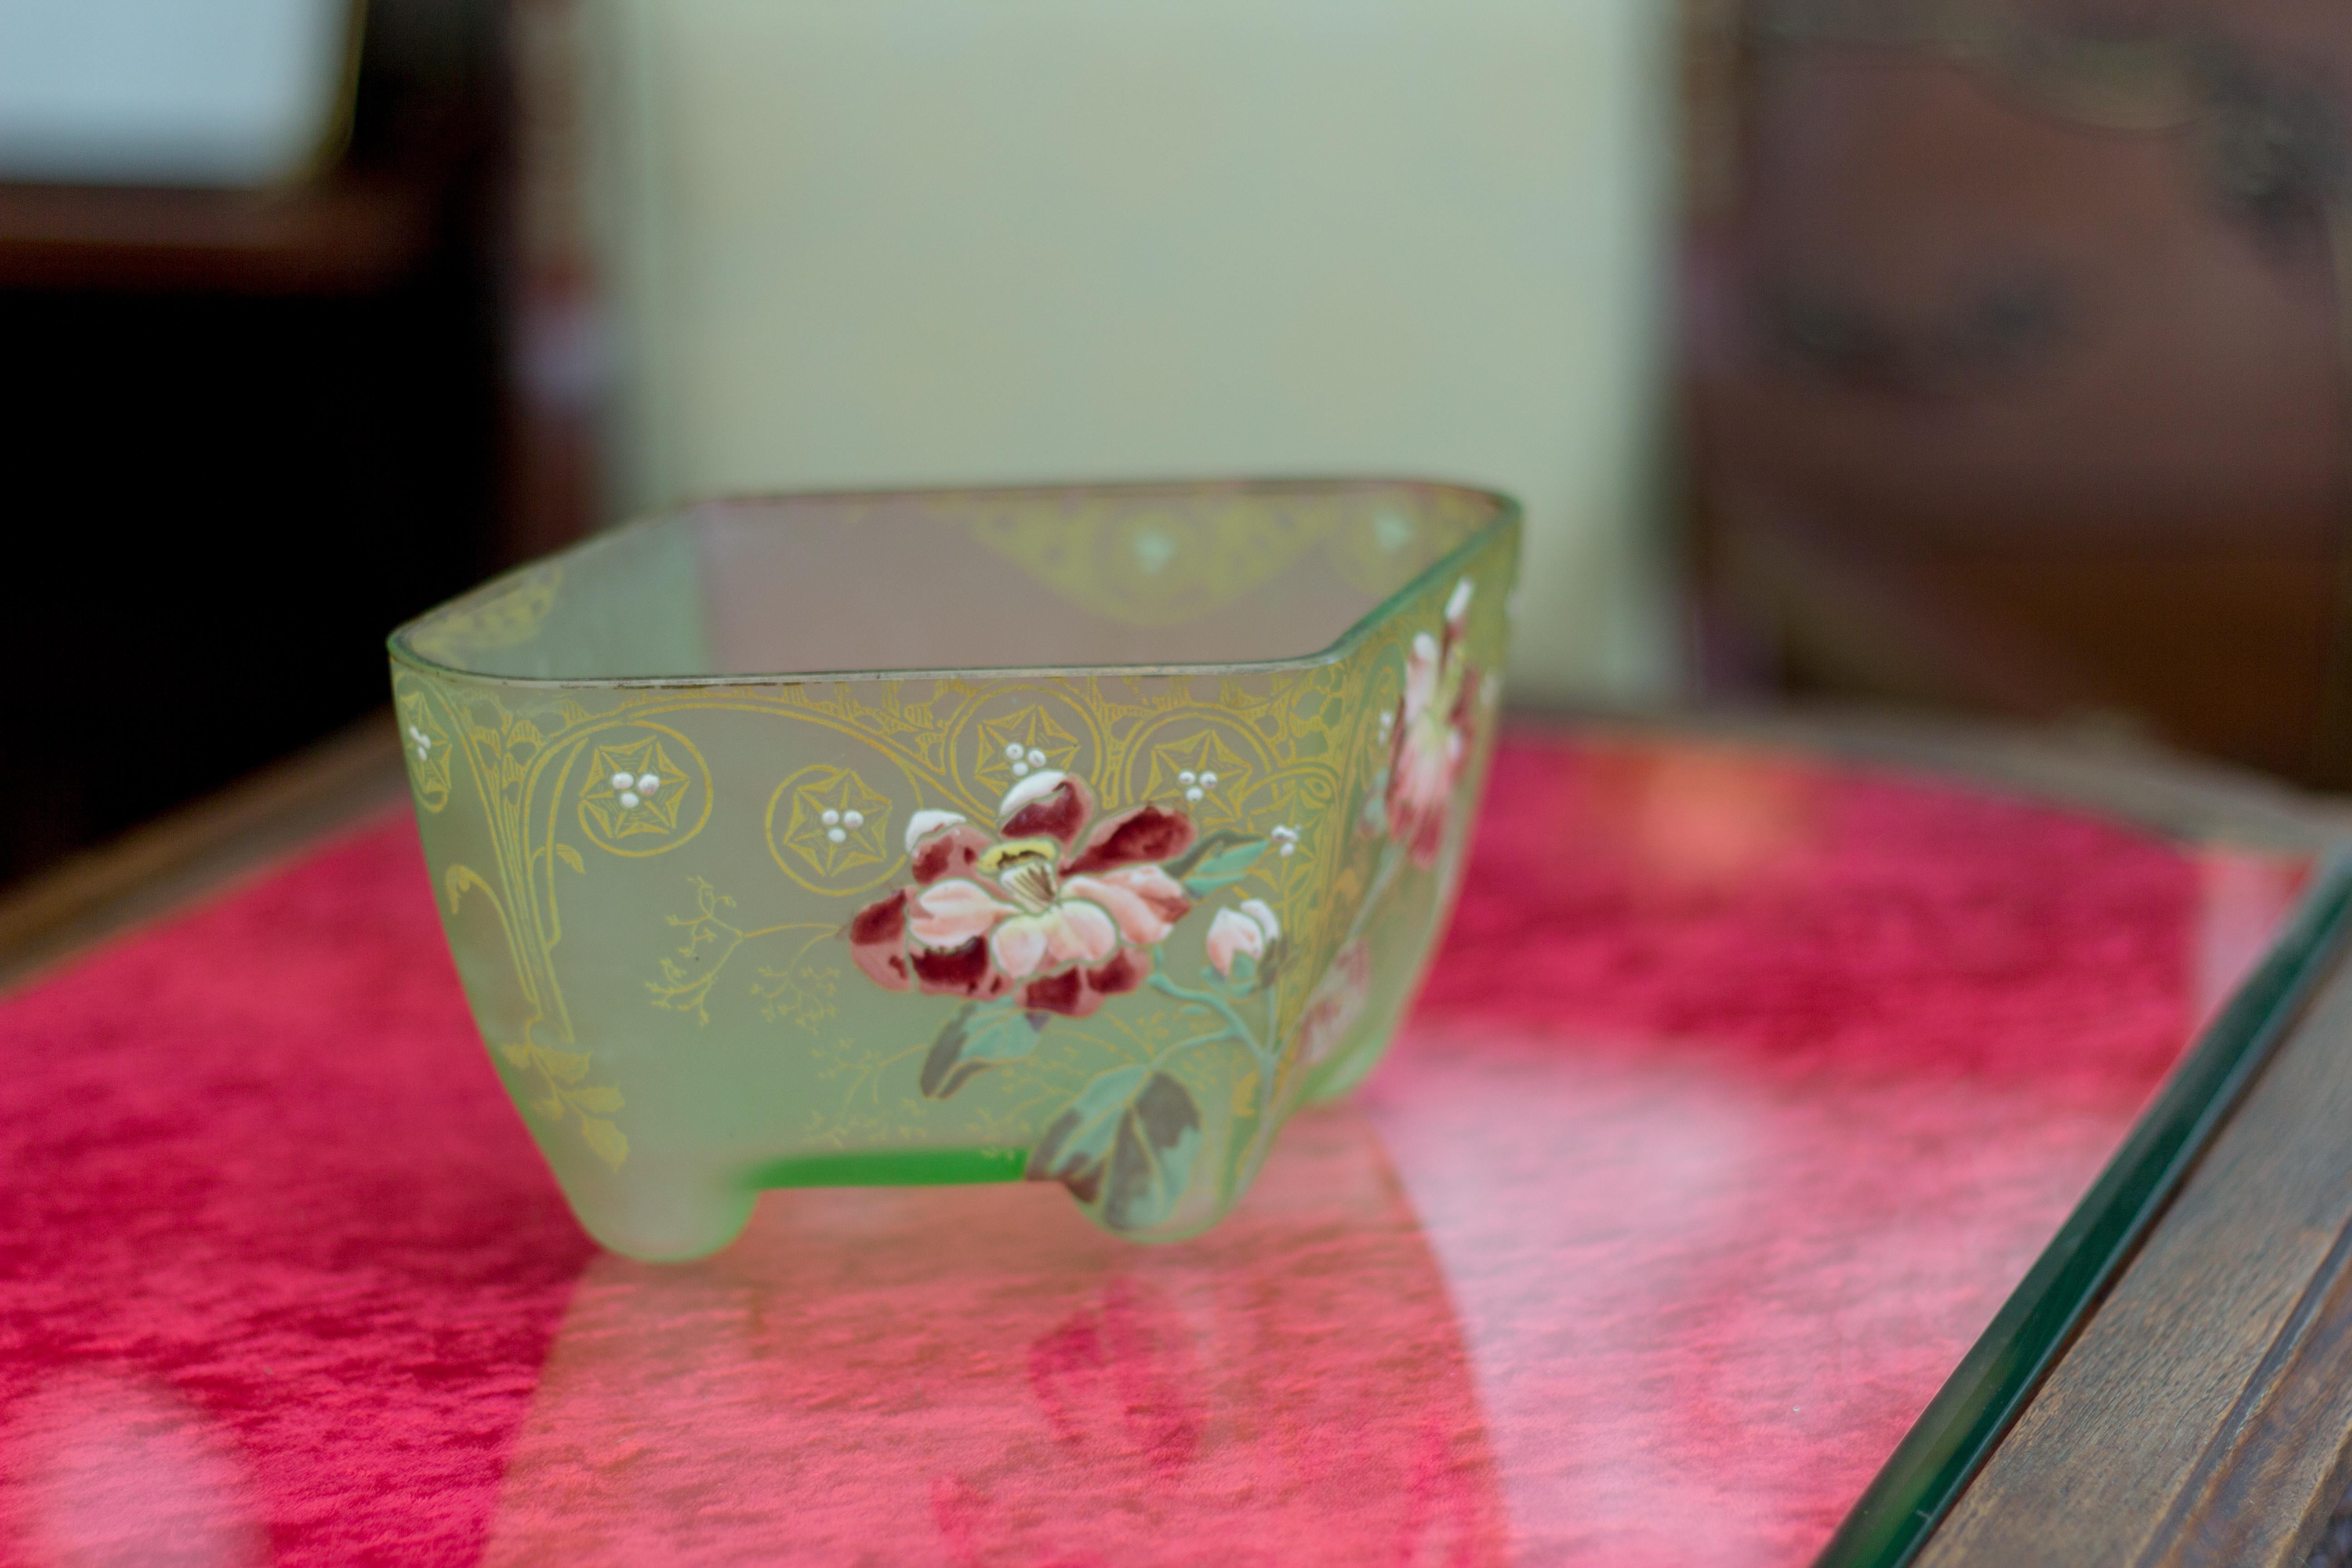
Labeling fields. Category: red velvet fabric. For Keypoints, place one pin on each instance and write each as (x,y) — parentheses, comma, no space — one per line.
(1743,1090)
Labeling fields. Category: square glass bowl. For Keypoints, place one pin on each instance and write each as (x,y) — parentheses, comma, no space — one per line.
(1074,834)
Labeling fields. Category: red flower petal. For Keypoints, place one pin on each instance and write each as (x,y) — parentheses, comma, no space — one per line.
(1059,813)
(1076,993)
(876,942)
(1428,838)
(1145,835)
(959,971)
(1464,716)
(1123,972)
(952,851)
(1056,994)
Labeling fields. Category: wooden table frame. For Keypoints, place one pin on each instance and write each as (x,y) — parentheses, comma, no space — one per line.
(2199,1409)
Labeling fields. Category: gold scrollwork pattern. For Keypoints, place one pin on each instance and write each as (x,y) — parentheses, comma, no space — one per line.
(1141,560)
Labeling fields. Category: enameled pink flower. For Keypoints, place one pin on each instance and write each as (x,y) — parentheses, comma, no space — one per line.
(1432,729)
(1251,930)
(1052,904)
(1335,1004)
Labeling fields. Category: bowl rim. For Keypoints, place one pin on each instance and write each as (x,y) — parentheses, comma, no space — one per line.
(1505,517)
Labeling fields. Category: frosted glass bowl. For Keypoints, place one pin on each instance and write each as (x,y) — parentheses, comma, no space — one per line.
(1074,834)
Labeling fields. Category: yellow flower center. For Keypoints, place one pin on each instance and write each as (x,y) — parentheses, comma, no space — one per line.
(1024,868)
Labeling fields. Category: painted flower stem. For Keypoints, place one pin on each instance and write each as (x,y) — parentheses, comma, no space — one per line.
(1238,1029)
(1180,1046)
(1234,1025)
(1393,859)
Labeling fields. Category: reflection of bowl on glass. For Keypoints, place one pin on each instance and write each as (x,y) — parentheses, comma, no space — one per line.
(1000,1383)
(954,836)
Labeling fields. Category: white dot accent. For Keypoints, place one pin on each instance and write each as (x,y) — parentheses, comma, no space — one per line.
(1208,780)
(1036,758)
(831,817)
(1012,750)
(836,834)
(629,800)
(1020,770)
(622,781)
(1287,848)
(1193,794)
(853,819)
(1188,777)
(648,782)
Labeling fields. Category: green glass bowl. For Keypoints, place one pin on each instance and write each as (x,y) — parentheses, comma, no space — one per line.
(1073,835)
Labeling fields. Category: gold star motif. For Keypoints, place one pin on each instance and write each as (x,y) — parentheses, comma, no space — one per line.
(1203,777)
(1012,748)
(633,789)
(836,824)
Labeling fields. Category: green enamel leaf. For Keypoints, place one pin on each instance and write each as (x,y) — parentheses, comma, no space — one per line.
(609,1144)
(1218,861)
(1125,1147)
(563,1066)
(972,1040)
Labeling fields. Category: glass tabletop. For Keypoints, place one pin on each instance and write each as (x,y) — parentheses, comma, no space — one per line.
(1745,1090)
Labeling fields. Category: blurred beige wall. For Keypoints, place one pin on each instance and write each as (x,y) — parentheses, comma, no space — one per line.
(855,242)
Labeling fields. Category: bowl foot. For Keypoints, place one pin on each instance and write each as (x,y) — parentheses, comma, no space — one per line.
(665,1217)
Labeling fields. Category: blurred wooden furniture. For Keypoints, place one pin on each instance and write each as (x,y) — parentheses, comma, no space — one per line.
(347,235)
(200,848)
(257,429)
(2014,363)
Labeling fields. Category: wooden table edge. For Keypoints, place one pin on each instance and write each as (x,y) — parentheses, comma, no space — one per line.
(200,849)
